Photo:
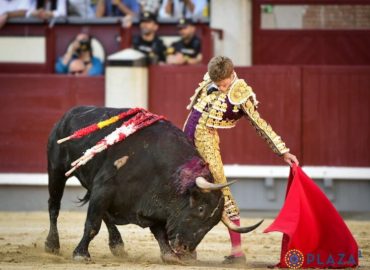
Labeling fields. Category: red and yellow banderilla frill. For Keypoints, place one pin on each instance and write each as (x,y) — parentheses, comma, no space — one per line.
(94,127)
(141,119)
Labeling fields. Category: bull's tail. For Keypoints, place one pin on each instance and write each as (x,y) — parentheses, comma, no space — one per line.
(84,200)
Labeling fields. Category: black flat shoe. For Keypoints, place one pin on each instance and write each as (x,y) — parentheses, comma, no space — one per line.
(232,259)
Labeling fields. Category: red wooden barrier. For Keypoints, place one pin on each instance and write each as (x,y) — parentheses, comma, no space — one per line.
(336,116)
(29,107)
(170,89)
(322,113)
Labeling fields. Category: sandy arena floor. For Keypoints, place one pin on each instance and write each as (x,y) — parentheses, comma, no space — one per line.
(22,237)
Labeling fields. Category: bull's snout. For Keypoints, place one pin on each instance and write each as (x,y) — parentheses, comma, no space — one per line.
(180,247)
(185,252)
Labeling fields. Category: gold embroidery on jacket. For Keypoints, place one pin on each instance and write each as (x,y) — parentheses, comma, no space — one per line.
(213,107)
(240,92)
(202,85)
(264,129)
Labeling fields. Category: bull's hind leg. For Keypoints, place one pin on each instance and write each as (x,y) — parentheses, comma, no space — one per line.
(57,182)
(99,202)
(116,244)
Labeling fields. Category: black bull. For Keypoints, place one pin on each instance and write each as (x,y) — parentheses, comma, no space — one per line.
(149,179)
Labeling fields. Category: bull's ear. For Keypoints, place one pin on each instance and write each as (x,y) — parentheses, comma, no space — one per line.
(194,196)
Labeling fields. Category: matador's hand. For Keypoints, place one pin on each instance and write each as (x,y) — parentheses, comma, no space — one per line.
(290,159)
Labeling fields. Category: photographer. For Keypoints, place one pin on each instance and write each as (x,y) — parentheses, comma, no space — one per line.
(80,49)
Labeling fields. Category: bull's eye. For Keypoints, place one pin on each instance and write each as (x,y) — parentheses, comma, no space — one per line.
(201,209)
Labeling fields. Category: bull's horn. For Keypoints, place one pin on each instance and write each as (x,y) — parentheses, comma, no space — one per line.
(205,185)
(232,226)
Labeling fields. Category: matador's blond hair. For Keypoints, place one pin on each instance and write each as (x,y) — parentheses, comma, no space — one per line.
(220,68)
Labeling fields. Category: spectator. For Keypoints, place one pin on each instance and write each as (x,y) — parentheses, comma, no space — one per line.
(151,6)
(148,42)
(94,3)
(77,68)
(80,49)
(47,9)
(12,9)
(176,9)
(114,8)
(188,49)
(81,8)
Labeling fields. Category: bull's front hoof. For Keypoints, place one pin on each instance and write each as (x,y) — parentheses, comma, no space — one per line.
(172,258)
(118,251)
(79,256)
(189,256)
(52,248)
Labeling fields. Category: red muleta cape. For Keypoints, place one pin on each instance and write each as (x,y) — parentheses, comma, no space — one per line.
(314,234)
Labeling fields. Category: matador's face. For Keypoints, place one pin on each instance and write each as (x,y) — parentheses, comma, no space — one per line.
(225,84)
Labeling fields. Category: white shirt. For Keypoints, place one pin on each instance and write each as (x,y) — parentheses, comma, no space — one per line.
(178,7)
(60,11)
(150,5)
(82,8)
(13,5)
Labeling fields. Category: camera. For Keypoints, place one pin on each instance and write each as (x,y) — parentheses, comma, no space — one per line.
(85,45)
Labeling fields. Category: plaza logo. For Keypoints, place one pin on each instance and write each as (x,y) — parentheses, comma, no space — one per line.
(295,259)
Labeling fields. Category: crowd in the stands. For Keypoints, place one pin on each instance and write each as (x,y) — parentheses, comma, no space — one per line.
(48,9)
(79,58)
